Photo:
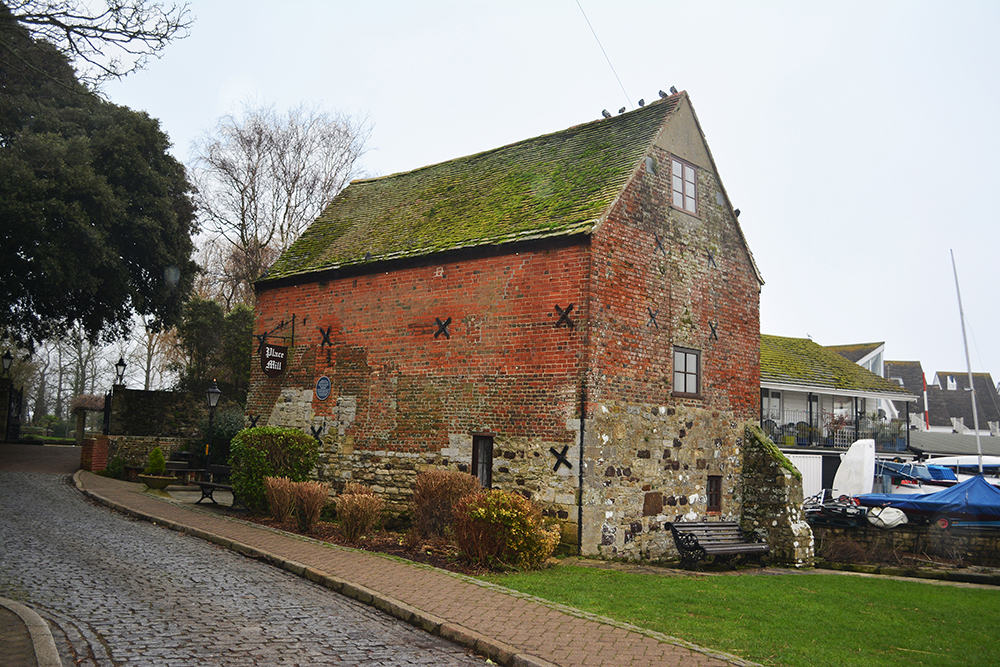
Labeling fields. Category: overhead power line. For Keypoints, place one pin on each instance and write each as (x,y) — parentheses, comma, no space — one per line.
(605,53)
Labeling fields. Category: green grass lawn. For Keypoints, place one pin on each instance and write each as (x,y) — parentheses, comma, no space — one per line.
(807,620)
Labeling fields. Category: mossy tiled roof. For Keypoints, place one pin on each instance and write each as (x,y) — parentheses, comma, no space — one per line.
(800,361)
(554,185)
(856,351)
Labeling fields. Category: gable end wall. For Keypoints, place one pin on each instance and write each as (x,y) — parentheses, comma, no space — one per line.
(662,278)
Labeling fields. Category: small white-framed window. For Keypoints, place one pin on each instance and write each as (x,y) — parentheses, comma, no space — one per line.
(687,371)
(684,183)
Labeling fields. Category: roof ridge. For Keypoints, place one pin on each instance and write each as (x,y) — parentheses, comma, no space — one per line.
(550,185)
(518,142)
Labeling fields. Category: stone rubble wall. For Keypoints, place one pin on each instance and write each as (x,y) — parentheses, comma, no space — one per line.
(967,546)
(172,414)
(135,449)
(524,465)
(647,466)
(772,501)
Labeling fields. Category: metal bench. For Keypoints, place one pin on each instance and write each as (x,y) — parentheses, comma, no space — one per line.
(217,477)
(723,541)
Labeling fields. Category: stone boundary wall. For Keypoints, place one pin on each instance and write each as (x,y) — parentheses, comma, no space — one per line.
(134,450)
(772,500)
(170,414)
(968,546)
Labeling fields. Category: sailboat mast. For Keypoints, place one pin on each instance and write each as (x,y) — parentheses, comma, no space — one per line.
(968,364)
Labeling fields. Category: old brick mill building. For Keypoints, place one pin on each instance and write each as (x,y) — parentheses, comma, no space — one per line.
(574,317)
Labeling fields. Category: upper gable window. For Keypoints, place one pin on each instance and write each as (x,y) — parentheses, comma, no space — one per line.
(685,181)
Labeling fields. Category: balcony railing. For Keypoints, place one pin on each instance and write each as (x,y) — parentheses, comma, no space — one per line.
(797,428)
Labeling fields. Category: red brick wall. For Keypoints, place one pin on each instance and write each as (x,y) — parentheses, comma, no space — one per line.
(505,369)
(688,292)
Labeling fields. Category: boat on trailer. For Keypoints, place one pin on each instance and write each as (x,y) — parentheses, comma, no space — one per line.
(965,467)
(909,477)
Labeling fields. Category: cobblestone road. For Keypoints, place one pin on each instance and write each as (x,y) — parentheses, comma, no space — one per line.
(124,592)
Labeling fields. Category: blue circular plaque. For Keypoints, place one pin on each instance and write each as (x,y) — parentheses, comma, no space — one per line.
(323,388)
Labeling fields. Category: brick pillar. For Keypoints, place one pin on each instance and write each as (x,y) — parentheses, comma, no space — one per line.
(94,453)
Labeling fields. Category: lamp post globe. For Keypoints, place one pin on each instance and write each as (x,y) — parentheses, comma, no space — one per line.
(120,371)
(8,358)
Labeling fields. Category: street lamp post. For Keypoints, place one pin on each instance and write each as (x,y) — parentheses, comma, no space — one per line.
(120,371)
(8,358)
(212,394)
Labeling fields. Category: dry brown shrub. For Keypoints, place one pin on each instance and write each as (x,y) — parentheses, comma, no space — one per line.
(280,493)
(356,489)
(310,499)
(844,550)
(358,513)
(435,493)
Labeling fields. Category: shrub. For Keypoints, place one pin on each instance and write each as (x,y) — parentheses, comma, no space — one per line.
(310,498)
(502,530)
(280,493)
(358,512)
(269,451)
(435,493)
(356,489)
(843,549)
(157,465)
(115,468)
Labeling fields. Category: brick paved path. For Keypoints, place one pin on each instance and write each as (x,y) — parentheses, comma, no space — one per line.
(510,628)
(116,591)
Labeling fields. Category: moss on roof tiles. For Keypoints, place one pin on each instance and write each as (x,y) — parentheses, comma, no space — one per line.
(800,361)
(554,185)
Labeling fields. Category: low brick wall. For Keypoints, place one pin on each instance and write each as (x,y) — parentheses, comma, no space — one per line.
(968,546)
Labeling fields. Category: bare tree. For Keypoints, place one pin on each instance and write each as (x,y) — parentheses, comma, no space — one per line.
(151,353)
(229,271)
(263,177)
(106,40)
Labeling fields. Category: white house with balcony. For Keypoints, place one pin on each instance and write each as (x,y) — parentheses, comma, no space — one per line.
(815,402)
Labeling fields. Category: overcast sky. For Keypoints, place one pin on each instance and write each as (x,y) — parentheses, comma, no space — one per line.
(859,139)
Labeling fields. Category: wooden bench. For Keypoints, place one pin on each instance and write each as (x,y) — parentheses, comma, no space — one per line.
(722,541)
(217,477)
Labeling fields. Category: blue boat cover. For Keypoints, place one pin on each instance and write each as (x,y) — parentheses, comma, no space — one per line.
(974,496)
(926,472)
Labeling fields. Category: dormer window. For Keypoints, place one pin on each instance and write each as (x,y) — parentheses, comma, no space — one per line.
(952,385)
(684,179)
